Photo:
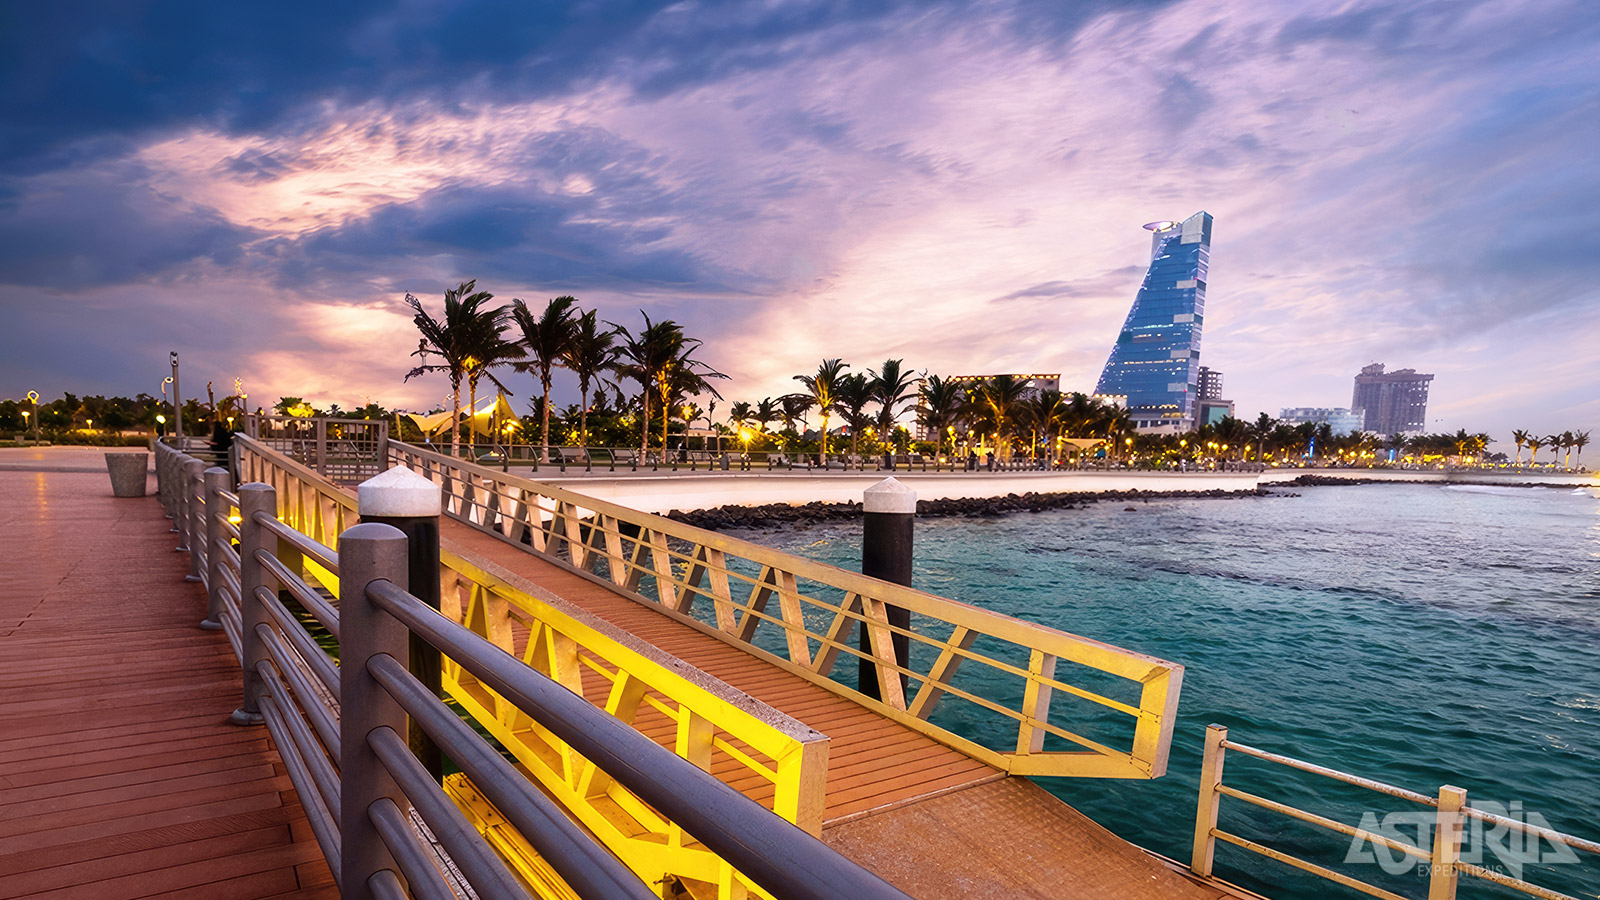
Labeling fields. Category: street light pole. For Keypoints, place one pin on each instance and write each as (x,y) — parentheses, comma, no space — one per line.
(33,397)
(177,402)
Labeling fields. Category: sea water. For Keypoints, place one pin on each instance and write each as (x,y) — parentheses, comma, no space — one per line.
(1417,634)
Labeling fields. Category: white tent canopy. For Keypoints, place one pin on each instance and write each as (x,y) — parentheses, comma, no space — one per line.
(482,420)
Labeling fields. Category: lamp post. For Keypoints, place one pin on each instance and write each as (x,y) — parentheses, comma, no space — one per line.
(33,398)
(177,399)
(164,382)
(161,421)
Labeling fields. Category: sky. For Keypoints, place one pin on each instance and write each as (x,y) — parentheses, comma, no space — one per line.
(960,185)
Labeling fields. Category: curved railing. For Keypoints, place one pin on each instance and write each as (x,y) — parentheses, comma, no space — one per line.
(1116,717)
(718,728)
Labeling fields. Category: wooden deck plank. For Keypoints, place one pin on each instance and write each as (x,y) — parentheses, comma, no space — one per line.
(863,742)
(119,777)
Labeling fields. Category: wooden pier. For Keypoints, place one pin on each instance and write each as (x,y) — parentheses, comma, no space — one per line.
(121,778)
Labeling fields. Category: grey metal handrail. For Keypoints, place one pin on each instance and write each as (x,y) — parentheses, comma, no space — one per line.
(339,772)
(773,853)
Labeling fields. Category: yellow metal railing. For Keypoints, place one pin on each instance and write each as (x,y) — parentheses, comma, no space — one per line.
(775,760)
(1441,859)
(810,610)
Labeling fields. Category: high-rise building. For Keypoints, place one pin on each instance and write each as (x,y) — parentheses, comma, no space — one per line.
(1156,359)
(1391,403)
(1209,384)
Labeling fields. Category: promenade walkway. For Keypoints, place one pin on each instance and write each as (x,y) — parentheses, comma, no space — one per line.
(119,775)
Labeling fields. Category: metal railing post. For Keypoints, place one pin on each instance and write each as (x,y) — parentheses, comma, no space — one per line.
(164,479)
(1443,875)
(368,552)
(411,503)
(217,480)
(194,530)
(382,446)
(179,508)
(321,464)
(1205,818)
(253,498)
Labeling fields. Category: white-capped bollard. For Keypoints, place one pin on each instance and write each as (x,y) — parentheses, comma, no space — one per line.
(888,509)
(412,503)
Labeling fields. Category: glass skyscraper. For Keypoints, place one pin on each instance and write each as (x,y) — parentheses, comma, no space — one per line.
(1156,360)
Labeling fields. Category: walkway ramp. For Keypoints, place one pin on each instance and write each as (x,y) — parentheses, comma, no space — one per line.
(927,818)
(120,777)
(897,786)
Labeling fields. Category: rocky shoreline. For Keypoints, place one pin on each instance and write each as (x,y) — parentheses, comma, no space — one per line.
(773,515)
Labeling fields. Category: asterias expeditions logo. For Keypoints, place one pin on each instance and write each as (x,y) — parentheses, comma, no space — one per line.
(1494,845)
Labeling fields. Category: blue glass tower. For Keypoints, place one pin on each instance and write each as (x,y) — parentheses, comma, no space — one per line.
(1156,360)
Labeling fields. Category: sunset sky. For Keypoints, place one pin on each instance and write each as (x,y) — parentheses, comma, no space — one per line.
(959,184)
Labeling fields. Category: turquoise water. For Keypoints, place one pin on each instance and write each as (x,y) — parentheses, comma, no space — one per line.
(1416,634)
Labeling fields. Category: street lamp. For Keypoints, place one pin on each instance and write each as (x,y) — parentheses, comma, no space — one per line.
(33,397)
(161,422)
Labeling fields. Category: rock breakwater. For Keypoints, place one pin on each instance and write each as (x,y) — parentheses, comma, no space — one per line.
(775,515)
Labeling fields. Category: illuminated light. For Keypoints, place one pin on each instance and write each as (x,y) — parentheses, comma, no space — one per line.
(161,418)
(1158,226)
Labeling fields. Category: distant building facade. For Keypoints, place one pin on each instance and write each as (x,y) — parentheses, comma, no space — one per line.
(1341,420)
(1391,402)
(1212,411)
(1156,359)
(1038,384)
(1209,385)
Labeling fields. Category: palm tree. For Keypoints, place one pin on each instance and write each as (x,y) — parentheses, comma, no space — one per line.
(661,359)
(891,386)
(547,338)
(1534,443)
(465,334)
(1520,436)
(766,412)
(940,403)
(854,393)
(823,389)
(1232,434)
(739,414)
(1000,400)
(1261,429)
(1580,441)
(794,406)
(1044,411)
(591,352)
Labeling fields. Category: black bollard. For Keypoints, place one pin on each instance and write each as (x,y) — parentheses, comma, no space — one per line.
(411,503)
(888,509)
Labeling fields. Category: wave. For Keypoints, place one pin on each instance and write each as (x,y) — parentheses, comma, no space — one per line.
(1505,490)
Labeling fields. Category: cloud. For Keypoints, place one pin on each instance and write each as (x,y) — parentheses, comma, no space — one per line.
(957,184)
(106,225)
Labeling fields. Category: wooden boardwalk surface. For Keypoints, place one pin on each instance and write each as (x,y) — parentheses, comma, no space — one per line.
(119,775)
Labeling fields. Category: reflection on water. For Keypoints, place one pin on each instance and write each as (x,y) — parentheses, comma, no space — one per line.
(1417,634)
